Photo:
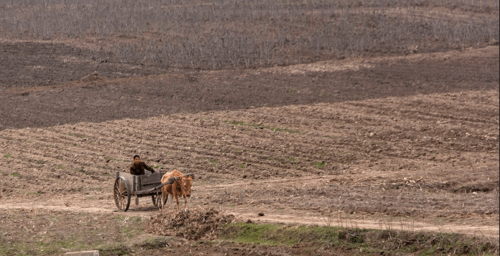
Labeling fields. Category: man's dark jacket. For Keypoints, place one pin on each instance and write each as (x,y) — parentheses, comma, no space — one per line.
(138,169)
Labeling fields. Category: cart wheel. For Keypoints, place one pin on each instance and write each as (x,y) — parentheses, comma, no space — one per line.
(121,194)
(157,200)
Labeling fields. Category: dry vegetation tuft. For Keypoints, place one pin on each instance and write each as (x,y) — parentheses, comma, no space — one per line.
(192,224)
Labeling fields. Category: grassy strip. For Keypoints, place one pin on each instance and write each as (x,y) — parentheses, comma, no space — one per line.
(368,241)
(55,232)
(71,245)
(123,249)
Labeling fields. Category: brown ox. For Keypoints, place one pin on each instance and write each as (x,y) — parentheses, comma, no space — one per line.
(181,186)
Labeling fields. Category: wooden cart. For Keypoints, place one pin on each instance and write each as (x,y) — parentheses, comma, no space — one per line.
(128,185)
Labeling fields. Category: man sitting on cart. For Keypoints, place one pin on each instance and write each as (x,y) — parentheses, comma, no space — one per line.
(137,168)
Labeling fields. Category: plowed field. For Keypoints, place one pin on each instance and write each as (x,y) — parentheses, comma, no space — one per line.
(425,156)
(329,144)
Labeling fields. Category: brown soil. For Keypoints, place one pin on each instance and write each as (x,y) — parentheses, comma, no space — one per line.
(125,91)
(371,142)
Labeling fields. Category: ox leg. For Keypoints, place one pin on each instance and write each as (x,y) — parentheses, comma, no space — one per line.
(177,201)
(162,204)
(164,198)
(185,199)
(174,195)
(185,202)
